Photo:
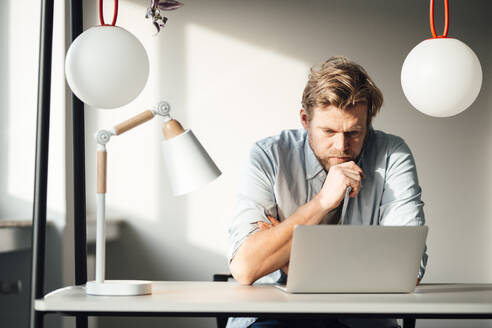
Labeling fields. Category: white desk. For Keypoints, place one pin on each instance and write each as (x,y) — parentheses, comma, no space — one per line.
(229,298)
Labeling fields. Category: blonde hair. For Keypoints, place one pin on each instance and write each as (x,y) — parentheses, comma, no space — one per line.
(342,83)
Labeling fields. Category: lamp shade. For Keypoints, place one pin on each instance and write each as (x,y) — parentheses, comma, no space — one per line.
(188,164)
(106,67)
(441,77)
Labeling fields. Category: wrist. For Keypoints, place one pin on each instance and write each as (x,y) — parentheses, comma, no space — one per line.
(322,204)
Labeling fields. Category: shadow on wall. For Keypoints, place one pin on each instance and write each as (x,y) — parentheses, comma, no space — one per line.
(378,34)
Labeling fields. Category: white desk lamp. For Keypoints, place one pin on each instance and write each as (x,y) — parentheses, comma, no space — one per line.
(188,165)
(107,67)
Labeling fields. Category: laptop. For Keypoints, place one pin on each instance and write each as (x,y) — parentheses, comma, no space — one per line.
(355,259)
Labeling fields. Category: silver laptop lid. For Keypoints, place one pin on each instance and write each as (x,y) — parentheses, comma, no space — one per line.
(355,259)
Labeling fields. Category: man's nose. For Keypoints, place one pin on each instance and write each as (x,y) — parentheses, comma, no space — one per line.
(341,142)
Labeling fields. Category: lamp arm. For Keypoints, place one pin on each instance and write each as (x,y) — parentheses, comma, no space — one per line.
(103,136)
(170,129)
(133,122)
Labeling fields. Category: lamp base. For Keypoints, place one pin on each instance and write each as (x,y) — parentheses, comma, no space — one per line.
(119,287)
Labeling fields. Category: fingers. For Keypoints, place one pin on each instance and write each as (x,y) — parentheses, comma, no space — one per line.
(352,174)
(355,188)
(352,179)
(265,226)
(353,193)
(353,167)
(273,220)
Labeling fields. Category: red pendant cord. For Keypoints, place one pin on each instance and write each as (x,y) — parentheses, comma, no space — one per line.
(446,22)
(101,15)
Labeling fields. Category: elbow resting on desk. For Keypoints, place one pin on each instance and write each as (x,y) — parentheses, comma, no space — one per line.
(247,266)
(241,273)
(261,253)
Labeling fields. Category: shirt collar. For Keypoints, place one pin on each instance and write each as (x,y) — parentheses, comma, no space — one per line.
(314,167)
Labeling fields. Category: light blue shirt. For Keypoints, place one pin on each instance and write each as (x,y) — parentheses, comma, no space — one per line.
(282,174)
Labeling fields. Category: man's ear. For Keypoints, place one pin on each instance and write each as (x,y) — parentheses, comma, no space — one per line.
(304,118)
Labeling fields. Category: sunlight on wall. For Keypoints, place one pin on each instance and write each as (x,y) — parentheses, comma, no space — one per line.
(238,94)
(24,42)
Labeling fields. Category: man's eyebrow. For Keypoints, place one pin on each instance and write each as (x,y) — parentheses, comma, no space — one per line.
(355,127)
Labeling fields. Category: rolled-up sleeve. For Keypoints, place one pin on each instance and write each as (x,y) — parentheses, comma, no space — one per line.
(255,199)
(401,202)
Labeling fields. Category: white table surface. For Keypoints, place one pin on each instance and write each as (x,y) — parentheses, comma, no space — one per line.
(230,297)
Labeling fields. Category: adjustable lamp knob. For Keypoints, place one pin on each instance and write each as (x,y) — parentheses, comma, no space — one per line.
(103,136)
(163,108)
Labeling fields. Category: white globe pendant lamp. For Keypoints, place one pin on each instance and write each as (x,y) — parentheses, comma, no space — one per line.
(441,76)
(106,66)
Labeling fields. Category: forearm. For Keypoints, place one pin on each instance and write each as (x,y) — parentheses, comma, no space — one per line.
(269,250)
(277,260)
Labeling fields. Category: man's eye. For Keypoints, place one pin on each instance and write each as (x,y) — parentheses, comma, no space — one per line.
(353,133)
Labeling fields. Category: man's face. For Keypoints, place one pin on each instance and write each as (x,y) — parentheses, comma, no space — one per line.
(336,135)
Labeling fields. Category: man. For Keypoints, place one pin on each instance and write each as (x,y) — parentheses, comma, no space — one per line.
(301,177)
